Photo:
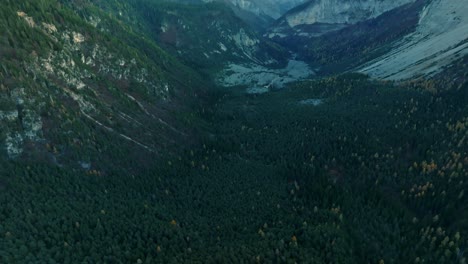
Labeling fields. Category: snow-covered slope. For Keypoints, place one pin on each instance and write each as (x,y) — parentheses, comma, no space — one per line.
(440,38)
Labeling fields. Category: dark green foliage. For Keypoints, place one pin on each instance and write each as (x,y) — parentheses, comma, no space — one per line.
(196,39)
(374,174)
(275,181)
(123,101)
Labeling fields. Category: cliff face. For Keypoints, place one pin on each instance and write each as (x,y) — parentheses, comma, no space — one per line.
(439,39)
(318,17)
(340,11)
(272,8)
(71,83)
(121,68)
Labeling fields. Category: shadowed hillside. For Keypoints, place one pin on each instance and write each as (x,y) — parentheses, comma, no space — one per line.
(117,146)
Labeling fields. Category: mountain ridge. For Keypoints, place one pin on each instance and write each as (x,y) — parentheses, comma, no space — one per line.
(336,14)
(400,43)
(439,39)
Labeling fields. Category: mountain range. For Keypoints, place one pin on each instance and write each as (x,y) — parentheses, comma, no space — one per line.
(233,131)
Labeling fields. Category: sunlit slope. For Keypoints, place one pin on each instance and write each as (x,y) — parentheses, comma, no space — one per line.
(439,39)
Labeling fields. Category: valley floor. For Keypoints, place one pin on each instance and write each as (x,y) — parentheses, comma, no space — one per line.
(371,174)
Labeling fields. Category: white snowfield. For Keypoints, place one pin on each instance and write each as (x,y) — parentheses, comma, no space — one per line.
(440,38)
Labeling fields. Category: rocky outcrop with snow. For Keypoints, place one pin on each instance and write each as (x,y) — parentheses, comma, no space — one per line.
(440,38)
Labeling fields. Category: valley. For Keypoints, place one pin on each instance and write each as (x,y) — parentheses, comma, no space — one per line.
(319,131)
(275,179)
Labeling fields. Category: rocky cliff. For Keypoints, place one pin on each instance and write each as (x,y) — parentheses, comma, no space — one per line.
(68,84)
(439,39)
(327,15)
(272,8)
(388,40)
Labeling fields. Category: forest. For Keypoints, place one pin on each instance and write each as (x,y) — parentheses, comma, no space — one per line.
(374,173)
(337,169)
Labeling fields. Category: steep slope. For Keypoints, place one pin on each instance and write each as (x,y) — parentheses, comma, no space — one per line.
(86,93)
(257,21)
(206,41)
(273,8)
(282,180)
(215,42)
(348,48)
(114,151)
(317,17)
(387,40)
(440,38)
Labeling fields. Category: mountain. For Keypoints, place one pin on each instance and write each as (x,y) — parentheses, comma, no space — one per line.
(317,17)
(96,65)
(151,131)
(257,13)
(77,78)
(409,39)
(440,38)
(273,8)
(209,40)
(355,44)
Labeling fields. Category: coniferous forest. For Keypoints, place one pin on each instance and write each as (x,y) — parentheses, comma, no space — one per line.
(375,173)
(337,169)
